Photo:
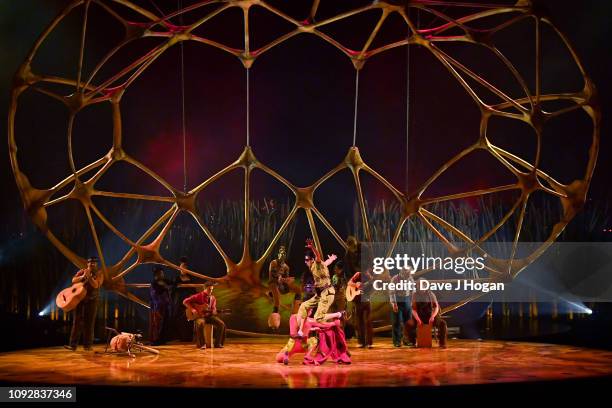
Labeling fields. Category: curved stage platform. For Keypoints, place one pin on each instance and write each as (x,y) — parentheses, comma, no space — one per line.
(249,363)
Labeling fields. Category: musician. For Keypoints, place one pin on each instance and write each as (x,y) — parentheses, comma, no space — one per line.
(324,291)
(363,310)
(85,313)
(161,306)
(401,309)
(205,304)
(339,284)
(425,308)
(358,280)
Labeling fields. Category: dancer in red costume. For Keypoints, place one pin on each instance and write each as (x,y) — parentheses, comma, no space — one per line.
(321,342)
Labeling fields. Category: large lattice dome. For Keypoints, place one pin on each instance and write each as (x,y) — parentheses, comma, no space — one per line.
(527,98)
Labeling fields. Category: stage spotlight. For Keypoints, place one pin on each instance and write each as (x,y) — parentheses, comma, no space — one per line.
(46,310)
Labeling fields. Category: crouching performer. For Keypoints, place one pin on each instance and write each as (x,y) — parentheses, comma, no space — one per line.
(324,291)
(322,342)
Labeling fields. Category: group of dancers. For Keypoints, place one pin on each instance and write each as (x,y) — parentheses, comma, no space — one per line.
(320,319)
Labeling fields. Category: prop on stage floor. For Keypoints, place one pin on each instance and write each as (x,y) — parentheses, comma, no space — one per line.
(125,343)
(321,342)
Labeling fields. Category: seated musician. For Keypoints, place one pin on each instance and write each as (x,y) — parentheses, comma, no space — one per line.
(204,305)
(425,308)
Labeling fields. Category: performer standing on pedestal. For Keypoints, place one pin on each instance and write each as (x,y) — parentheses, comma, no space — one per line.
(84,318)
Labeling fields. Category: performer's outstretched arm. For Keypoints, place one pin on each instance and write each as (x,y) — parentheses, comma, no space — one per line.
(313,248)
(330,259)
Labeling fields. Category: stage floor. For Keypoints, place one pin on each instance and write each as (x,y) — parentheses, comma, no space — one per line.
(249,363)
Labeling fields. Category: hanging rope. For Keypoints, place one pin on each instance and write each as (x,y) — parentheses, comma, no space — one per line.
(355,113)
(408,122)
(248,108)
(407,110)
(183,118)
(157,8)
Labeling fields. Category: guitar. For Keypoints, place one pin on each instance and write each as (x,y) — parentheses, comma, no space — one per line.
(203,312)
(352,292)
(70,297)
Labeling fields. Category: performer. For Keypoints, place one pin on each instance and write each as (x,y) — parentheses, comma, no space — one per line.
(280,282)
(84,318)
(322,341)
(425,307)
(324,295)
(183,328)
(363,309)
(339,284)
(161,307)
(204,304)
(401,309)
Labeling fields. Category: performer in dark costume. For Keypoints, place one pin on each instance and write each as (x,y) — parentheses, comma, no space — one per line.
(84,318)
(281,283)
(183,328)
(352,264)
(401,309)
(161,307)
(363,310)
(426,309)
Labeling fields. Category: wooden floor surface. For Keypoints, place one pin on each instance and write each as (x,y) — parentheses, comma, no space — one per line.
(250,364)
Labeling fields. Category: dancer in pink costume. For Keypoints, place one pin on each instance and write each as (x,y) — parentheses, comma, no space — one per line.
(321,342)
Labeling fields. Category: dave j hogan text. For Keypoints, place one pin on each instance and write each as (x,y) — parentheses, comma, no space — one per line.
(470,285)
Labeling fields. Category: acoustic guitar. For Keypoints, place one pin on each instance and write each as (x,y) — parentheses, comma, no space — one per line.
(203,312)
(70,297)
(352,292)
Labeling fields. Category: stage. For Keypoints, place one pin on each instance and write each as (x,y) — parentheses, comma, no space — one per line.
(249,364)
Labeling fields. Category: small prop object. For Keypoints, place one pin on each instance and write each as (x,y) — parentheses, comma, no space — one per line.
(69,298)
(424,336)
(123,342)
(274,321)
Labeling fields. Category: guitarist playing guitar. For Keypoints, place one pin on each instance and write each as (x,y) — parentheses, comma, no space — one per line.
(85,312)
(202,307)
